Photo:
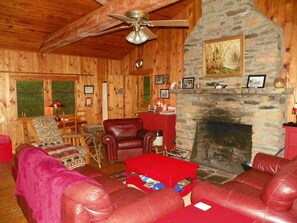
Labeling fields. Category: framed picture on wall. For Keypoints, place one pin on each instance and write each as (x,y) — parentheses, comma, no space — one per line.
(164,93)
(159,79)
(89,89)
(223,57)
(89,102)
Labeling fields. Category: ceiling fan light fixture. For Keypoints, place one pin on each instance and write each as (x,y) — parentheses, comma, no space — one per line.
(137,37)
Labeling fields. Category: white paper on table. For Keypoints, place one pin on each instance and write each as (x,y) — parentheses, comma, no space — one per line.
(202,206)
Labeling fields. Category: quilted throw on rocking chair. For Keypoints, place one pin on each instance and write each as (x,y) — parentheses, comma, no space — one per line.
(50,139)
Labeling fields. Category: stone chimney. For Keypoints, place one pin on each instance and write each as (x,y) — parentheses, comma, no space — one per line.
(263,109)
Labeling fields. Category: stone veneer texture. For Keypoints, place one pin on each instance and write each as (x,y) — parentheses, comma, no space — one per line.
(263,53)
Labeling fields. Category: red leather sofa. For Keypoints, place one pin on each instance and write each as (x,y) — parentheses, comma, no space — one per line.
(126,138)
(266,193)
(84,202)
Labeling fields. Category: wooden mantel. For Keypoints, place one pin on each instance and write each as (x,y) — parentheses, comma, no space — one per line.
(261,91)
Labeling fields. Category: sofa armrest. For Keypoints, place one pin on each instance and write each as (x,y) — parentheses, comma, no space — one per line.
(148,137)
(251,206)
(111,145)
(149,208)
(269,163)
(84,202)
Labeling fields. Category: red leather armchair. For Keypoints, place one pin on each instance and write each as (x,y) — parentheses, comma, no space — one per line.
(266,193)
(126,138)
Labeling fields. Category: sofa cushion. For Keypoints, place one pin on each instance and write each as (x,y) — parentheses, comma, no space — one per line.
(110,185)
(242,188)
(254,178)
(124,196)
(129,143)
(281,191)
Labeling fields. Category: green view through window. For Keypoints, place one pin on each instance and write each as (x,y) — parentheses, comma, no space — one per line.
(64,92)
(30,98)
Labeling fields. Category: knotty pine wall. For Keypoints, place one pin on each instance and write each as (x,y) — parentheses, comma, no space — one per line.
(16,65)
(161,56)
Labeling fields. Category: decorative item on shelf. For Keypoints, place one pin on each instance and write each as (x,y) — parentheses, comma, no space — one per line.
(174,85)
(166,78)
(56,105)
(294,111)
(220,86)
(160,104)
(279,83)
(212,84)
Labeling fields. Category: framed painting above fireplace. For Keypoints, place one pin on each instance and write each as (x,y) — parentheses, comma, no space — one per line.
(223,57)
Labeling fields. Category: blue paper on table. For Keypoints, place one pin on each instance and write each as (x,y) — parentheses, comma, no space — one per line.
(158,186)
(178,188)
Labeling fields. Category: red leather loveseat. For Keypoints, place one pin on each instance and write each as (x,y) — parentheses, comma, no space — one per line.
(111,201)
(266,193)
(126,138)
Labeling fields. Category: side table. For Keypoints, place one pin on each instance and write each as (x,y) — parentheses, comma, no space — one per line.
(93,138)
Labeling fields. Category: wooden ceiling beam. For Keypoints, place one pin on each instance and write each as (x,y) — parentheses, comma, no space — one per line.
(97,21)
(103,2)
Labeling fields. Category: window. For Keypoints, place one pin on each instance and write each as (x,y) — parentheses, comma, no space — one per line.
(31,97)
(146,90)
(64,92)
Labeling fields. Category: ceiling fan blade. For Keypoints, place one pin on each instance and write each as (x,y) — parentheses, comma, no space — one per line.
(110,31)
(149,33)
(173,23)
(121,17)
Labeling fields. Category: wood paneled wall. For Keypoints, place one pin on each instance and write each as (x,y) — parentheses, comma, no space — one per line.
(163,56)
(28,65)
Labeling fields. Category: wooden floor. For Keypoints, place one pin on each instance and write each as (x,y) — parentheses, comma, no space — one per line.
(9,210)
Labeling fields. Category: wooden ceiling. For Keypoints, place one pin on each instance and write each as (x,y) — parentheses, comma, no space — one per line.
(28,24)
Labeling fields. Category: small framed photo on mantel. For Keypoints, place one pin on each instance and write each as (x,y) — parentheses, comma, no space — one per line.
(188,83)
(256,81)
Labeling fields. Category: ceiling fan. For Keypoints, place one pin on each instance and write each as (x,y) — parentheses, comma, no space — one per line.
(139,21)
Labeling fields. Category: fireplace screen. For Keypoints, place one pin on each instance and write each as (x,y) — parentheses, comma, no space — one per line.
(223,146)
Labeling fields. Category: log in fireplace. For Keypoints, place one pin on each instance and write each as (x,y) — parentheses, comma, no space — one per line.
(221,145)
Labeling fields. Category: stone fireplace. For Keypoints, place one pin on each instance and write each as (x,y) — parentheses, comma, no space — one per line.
(222,145)
(263,110)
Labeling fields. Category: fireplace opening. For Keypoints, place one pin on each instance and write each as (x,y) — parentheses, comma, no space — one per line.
(223,146)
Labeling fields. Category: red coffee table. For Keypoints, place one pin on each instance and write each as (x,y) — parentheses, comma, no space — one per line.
(169,171)
(216,214)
